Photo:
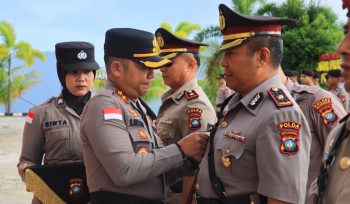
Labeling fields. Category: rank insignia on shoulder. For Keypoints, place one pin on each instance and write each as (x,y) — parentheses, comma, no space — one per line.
(256,100)
(289,132)
(30,117)
(279,97)
(325,109)
(122,96)
(60,101)
(191,94)
(194,116)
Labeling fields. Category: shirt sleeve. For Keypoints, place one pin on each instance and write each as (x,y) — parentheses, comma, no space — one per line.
(282,151)
(110,141)
(32,142)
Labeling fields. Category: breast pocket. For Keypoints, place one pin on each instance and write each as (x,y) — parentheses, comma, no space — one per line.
(228,156)
(141,140)
(57,144)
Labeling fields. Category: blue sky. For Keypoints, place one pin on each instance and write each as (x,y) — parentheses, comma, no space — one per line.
(44,23)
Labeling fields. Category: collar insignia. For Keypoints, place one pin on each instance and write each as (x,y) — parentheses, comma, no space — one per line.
(256,100)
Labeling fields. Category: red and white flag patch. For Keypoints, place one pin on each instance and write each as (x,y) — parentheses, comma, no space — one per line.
(112,113)
(30,117)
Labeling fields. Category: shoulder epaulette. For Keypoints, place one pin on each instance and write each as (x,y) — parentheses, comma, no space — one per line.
(279,97)
(50,99)
(191,94)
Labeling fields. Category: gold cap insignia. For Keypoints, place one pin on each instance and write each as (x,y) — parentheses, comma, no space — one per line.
(160,40)
(222,22)
(344,163)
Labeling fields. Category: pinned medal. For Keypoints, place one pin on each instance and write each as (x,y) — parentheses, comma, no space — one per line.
(225,161)
(142,134)
(132,112)
(236,135)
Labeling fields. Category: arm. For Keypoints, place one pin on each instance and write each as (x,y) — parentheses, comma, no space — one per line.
(32,143)
(110,142)
(280,170)
(274,201)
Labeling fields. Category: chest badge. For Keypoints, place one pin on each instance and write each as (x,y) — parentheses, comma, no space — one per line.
(226,161)
(235,135)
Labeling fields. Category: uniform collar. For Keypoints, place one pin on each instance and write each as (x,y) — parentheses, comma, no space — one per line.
(179,94)
(260,91)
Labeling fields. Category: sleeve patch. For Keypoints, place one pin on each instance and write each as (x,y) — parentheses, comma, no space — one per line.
(279,97)
(112,113)
(194,116)
(30,117)
(325,109)
(289,132)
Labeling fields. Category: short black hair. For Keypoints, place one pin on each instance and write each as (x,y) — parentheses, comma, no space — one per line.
(273,43)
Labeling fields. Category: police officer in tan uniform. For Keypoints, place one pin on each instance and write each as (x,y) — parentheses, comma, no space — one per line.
(334,180)
(259,151)
(185,107)
(323,111)
(52,130)
(222,93)
(124,158)
(333,83)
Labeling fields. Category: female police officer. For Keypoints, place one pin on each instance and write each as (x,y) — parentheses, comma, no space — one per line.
(51,132)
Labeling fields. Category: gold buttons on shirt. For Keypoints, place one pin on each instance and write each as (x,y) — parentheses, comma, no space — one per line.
(142,134)
(224,124)
(226,151)
(196,186)
(344,163)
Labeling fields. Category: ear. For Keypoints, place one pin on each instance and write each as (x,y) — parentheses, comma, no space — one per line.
(192,64)
(116,68)
(264,56)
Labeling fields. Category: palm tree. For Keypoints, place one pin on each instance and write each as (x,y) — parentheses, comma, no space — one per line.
(183,30)
(16,82)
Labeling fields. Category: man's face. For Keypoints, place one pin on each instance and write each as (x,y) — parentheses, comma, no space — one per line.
(79,83)
(137,78)
(333,81)
(239,68)
(344,51)
(305,79)
(175,75)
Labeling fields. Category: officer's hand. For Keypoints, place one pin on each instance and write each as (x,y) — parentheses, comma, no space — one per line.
(194,145)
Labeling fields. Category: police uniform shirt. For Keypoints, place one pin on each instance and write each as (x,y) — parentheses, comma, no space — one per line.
(322,110)
(184,111)
(259,147)
(338,188)
(222,93)
(342,95)
(52,129)
(120,147)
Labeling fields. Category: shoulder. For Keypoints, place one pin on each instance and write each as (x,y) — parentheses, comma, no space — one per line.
(299,88)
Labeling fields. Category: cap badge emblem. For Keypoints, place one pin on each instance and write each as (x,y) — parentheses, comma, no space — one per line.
(160,40)
(222,22)
(82,55)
